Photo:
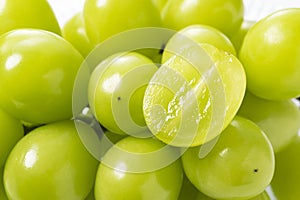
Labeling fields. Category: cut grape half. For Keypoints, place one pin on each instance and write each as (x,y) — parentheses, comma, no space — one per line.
(194,95)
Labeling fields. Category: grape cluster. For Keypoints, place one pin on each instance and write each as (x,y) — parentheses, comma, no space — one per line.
(149,99)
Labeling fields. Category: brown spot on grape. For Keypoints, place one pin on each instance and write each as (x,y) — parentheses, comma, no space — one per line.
(119,98)
(255,170)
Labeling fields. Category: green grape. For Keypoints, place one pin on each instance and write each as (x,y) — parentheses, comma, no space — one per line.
(270,56)
(285,184)
(50,163)
(106,18)
(238,37)
(280,120)
(37,72)
(74,31)
(11,131)
(240,166)
(225,15)
(128,172)
(200,34)
(16,14)
(179,102)
(116,91)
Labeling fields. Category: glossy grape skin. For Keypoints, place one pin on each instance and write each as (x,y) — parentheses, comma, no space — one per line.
(113,184)
(285,183)
(50,163)
(232,77)
(15,14)
(240,165)
(225,15)
(11,131)
(106,18)
(280,120)
(103,86)
(37,72)
(203,34)
(74,31)
(270,55)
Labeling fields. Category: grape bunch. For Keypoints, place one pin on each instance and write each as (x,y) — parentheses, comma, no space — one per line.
(149,99)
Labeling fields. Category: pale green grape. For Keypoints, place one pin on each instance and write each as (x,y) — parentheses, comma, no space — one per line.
(50,163)
(16,14)
(241,164)
(107,18)
(225,15)
(37,73)
(181,98)
(270,56)
(116,91)
(117,179)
